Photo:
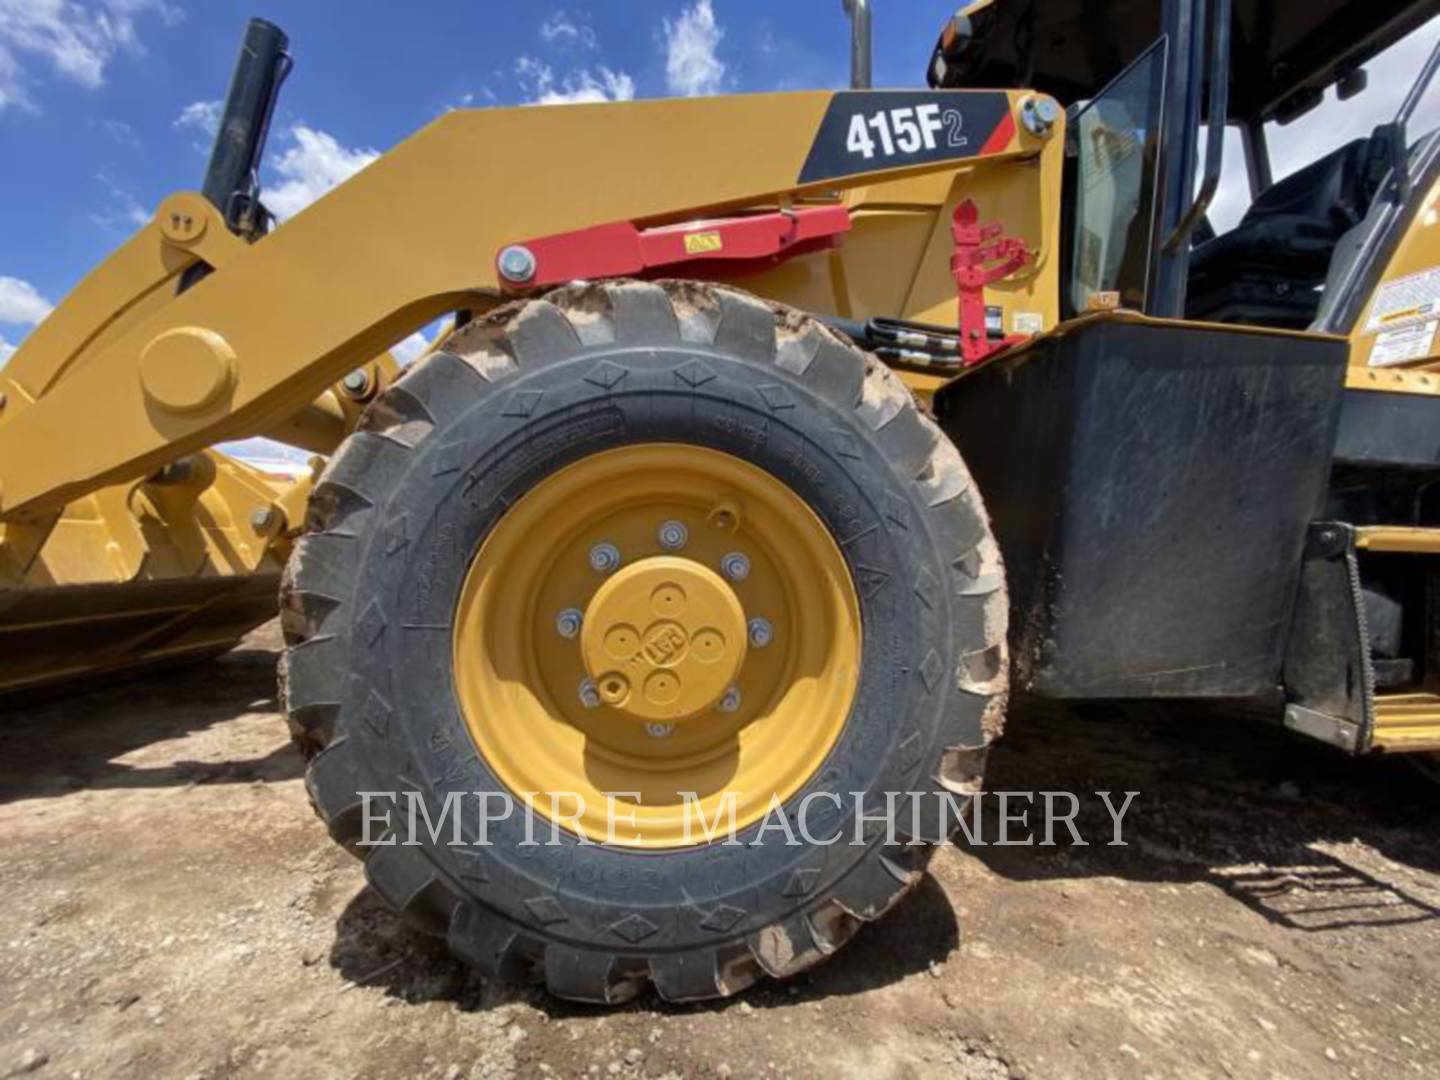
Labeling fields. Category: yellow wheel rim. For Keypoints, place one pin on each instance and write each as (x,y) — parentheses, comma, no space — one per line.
(663,620)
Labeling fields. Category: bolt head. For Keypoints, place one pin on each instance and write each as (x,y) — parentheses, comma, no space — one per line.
(589,695)
(261,519)
(1033,115)
(735,566)
(731,701)
(761,632)
(517,264)
(604,557)
(357,382)
(568,622)
(672,535)
(659,731)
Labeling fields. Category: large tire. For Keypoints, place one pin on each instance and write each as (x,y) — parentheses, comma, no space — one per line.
(367,681)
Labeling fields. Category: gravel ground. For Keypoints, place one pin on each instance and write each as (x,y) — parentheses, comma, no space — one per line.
(172,908)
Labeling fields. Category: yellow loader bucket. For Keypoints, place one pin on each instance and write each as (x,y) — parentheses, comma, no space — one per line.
(178,566)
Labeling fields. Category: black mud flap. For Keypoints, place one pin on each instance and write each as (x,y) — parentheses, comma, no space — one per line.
(1151,486)
(1329,684)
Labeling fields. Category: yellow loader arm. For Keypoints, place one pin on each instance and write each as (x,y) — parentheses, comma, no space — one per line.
(127,376)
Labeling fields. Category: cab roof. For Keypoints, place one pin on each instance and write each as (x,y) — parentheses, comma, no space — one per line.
(1284,52)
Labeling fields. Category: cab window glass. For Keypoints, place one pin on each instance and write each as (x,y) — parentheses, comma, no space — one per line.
(1115,144)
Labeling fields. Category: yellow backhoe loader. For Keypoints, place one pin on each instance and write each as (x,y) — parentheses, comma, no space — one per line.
(698,507)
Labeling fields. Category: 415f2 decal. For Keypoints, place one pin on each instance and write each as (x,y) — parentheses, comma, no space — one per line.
(864,131)
(905,130)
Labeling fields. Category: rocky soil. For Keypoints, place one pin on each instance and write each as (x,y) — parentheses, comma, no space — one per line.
(172,908)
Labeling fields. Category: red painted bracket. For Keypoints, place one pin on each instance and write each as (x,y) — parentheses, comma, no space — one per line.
(619,249)
(982,257)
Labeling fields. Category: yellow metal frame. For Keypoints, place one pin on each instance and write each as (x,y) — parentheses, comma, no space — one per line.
(413,237)
(1410,539)
(1407,723)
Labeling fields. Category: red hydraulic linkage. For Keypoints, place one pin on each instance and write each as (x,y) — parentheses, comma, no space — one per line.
(982,257)
(619,249)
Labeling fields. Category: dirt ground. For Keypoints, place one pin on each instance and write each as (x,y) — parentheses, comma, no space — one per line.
(172,908)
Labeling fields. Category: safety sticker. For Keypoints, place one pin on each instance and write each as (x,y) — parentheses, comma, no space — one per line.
(1403,343)
(701,243)
(1414,298)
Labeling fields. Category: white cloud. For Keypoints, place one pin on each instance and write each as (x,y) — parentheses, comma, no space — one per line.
(6,351)
(122,133)
(691,66)
(77,39)
(200,115)
(484,96)
(12,92)
(562,28)
(21,303)
(122,212)
(314,163)
(409,350)
(269,455)
(582,85)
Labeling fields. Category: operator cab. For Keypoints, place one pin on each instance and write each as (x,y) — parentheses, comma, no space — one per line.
(1139,79)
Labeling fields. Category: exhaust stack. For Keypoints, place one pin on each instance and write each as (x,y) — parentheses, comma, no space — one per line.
(859,12)
(232,179)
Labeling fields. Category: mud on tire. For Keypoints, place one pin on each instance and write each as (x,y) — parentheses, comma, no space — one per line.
(370,593)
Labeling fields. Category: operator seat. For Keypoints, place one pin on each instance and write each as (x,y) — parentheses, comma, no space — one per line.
(1268,269)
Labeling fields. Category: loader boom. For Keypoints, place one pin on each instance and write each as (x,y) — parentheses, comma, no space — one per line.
(414,236)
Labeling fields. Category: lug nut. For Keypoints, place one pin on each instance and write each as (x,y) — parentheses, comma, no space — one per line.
(731,701)
(672,535)
(735,566)
(517,264)
(589,696)
(568,622)
(761,632)
(604,558)
(357,383)
(659,731)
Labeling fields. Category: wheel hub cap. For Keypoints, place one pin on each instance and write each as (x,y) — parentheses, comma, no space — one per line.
(663,639)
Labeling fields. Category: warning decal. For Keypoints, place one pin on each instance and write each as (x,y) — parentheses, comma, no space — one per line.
(1414,298)
(1402,344)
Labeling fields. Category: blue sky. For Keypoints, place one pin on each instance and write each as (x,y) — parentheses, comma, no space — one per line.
(107,105)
